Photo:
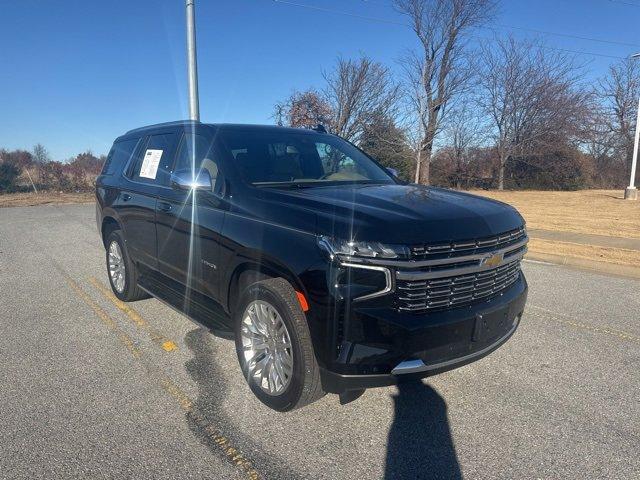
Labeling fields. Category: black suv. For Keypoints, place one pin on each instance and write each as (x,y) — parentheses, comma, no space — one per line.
(330,274)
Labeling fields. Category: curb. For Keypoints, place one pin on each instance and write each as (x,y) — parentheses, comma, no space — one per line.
(626,271)
(585,239)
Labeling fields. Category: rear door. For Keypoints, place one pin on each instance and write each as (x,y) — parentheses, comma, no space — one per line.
(147,174)
(109,183)
(189,222)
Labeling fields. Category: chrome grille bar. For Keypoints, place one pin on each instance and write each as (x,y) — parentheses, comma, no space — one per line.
(415,275)
(425,251)
(422,296)
(456,274)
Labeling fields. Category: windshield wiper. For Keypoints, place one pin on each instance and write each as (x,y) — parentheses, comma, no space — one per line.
(286,184)
(319,183)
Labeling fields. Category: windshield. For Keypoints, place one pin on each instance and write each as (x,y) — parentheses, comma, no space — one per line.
(282,157)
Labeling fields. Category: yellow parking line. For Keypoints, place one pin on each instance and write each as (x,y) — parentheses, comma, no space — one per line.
(221,442)
(609,328)
(169,346)
(213,433)
(583,326)
(106,319)
(157,338)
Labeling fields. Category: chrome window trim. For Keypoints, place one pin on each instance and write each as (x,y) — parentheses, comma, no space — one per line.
(148,184)
(387,275)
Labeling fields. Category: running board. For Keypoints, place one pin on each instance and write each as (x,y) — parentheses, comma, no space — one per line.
(200,309)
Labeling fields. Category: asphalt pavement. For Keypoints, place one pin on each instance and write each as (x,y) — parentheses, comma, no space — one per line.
(94,388)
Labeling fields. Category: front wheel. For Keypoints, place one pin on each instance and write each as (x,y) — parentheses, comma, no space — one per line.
(274,346)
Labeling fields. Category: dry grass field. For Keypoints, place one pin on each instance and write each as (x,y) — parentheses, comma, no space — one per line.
(596,212)
(42,198)
(588,212)
(592,253)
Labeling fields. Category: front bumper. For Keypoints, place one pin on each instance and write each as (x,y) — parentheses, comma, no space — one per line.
(384,347)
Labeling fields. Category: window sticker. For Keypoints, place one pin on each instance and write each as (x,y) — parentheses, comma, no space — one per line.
(149,168)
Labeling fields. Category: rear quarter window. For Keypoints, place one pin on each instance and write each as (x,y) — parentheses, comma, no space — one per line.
(160,151)
(119,156)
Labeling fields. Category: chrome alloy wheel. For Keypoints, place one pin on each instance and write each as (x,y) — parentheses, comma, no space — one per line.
(266,347)
(116,266)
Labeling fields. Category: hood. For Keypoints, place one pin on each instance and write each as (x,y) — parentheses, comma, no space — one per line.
(401,214)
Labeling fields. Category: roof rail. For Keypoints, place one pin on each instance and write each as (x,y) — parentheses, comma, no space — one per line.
(165,124)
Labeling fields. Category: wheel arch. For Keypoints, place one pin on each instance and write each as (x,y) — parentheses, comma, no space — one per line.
(109,224)
(250,272)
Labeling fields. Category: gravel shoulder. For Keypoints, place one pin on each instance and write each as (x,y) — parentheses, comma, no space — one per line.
(44,198)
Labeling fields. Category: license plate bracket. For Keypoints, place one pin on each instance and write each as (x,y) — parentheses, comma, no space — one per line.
(491,325)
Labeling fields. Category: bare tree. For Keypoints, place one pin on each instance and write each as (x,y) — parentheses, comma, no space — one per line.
(440,69)
(532,98)
(619,92)
(303,109)
(358,90)
(40,154)
(464,131)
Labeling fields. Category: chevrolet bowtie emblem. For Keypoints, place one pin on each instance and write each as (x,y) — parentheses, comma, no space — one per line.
(492,259)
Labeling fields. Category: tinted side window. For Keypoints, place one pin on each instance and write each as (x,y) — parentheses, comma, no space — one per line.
(196,153)
(119,156)
(154,164)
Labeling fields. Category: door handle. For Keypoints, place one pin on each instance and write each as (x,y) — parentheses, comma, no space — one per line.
(126,197)
(164,207)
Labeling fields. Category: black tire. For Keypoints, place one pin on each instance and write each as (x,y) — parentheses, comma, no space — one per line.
(304,386)
(130,292)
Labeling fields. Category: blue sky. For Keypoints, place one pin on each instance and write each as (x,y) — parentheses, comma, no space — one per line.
(76,74)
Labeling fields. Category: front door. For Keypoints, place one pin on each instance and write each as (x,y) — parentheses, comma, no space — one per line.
(189,222)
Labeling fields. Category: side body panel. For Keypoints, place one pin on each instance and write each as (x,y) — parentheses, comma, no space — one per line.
(189,226)
(188,229)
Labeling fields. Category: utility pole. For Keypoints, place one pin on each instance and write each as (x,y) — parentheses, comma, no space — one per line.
(631,193)
(192,62)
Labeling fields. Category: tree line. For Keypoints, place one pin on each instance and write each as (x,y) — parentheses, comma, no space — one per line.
(23,170)
(469,113)
(461,112)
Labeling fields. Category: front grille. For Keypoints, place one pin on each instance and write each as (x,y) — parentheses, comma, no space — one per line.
(455,291)
(468,247)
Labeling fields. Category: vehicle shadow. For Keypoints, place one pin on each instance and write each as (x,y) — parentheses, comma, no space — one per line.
(419,443)
(206,418)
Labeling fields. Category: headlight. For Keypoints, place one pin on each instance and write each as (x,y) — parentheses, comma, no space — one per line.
(352,248)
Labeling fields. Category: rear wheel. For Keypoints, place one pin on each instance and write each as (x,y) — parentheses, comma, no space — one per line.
(274,346)
(121,270)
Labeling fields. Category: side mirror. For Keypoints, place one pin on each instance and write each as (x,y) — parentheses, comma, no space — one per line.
(187,180)
(393,171)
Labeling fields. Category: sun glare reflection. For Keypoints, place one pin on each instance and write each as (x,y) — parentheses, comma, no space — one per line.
(194,238)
